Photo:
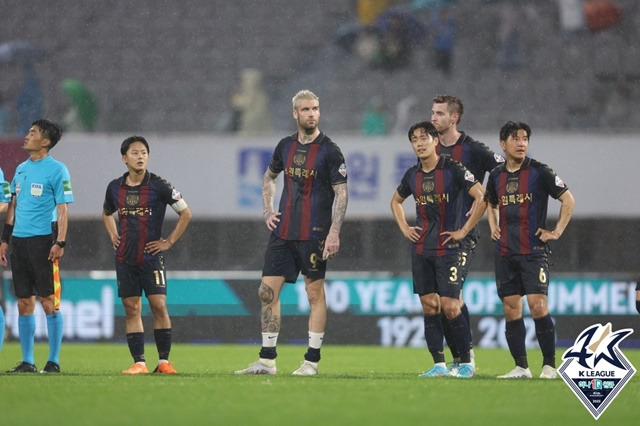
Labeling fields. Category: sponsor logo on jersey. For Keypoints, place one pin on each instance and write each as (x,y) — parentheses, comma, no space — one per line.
(66,185)
(343,169)
(595,368)
(36,190)
(469,176)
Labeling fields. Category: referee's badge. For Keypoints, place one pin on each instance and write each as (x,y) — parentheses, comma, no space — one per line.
(36,190)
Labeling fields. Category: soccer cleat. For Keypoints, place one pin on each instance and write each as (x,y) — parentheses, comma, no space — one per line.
(50,367)
(23,367)
(165,368)
(548,372)
(466,371)
(517,373)
(261,366)
(307,368)
(453,368)
(436,371)
(137,368)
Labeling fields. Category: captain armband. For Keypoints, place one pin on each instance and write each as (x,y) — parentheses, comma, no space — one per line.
(7,231)
(179,205)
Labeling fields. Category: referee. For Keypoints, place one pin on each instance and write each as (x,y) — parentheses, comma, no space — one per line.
(41,188)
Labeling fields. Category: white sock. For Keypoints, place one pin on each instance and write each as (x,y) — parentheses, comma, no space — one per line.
(269,340)
(315,340)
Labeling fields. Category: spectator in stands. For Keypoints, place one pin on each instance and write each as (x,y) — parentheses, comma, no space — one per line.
(374,120)
(29,100)
(5,116)
(509,55)
(443,31)
(252,103)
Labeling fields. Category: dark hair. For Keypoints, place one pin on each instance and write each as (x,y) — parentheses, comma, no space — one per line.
(49,130)
(131,139)
(510,128)
(428,127)
(454,104)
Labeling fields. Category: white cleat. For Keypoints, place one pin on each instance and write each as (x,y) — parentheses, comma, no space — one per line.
(548,372)
(517,373)
(261,366)
(307,368)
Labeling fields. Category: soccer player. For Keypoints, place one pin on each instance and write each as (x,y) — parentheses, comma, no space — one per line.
(438,185)
(306,232)
(141,199)
(518,192)
(446,114)
(5,199)
(41,186)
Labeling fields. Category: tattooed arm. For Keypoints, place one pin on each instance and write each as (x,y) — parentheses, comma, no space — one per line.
(332,243)
(268,195)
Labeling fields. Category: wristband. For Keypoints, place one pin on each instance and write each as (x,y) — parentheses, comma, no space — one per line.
(7,231)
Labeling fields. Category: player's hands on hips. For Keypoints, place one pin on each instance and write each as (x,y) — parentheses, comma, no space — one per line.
(272,220)
(331,246)
(454,236)
(412,233)
(495,234)
(115,242)
(545,235)
(157,246)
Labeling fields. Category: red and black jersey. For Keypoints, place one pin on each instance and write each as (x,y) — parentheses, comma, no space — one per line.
(439,197)
(141,211)
(522,198)
(310,171)
(477,157)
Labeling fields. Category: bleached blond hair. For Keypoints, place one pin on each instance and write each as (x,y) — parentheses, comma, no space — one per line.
(303,95)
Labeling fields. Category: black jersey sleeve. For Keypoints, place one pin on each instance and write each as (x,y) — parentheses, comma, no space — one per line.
(554,186)
(404,189)
(491,195)
(277,163)
(109,205)
(336,165)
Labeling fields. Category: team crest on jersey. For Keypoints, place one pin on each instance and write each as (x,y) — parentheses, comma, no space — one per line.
(559,182)
(132,199)
(175,194)
(512,187)
(469,176)
(343,169)
(36,190)
(427,186)
(595,368)
(299,159)
(499,158)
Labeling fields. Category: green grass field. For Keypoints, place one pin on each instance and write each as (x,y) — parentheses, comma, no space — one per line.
(357,385)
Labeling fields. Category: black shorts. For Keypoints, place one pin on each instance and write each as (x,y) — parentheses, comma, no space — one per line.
(522,274)
(467,250)
(31,268)
(150,277)
(287,259)
(437,274)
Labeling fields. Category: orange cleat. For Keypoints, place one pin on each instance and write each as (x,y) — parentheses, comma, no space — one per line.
(165,368)
(137,368)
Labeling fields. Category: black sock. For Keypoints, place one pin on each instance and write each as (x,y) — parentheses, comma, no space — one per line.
(546,333)
(460,332)
(515,333)
(465,312)
(448,336)
(433,334)
(136,346)
(268,353)
(163,342)
(312,355)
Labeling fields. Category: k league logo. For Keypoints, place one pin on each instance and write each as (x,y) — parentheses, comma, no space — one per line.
(594,367)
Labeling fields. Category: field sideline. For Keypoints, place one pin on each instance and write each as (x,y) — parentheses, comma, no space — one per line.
(357,385)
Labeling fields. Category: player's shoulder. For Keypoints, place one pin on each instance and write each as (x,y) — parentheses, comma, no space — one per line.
(158,180)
